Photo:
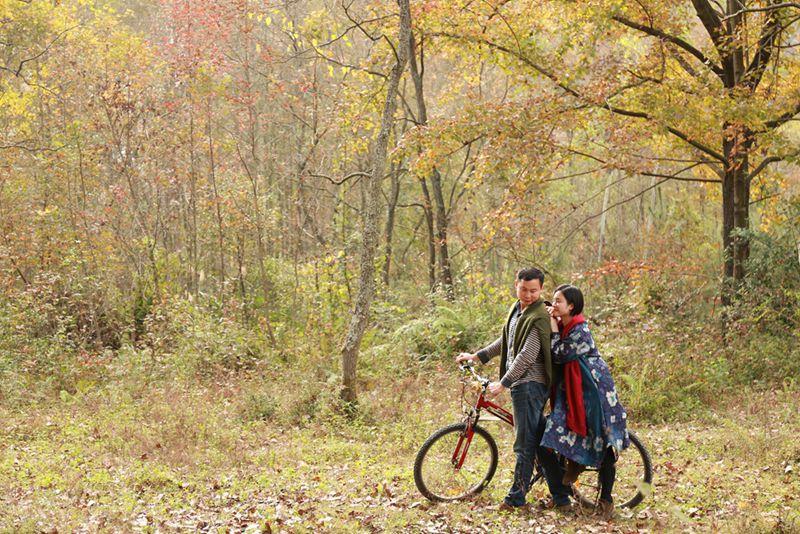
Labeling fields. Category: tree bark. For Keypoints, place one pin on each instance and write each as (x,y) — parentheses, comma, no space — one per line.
(193,249)
(445,271)
(394,194)
(427,208)
(445,280)
(736,208)
(366,287)
(240,259)
(212,171)
(737,141)
(606,197)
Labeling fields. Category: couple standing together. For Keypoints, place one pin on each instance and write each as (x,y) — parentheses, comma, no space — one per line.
(547,352)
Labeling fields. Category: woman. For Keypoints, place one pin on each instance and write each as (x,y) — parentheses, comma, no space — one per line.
(587,424)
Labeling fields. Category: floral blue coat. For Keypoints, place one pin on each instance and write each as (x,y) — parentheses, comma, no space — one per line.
(611,428)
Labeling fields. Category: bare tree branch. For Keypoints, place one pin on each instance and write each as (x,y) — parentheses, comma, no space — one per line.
(680,178)
(18,70)
(342,180)
(614,109)
(31,149)
(765,197)
(758,65)
(359,24)
(575,174)
(347,65)
(674,131)
(767,161)
(770,8)
(609,208)
(649,30)
(786,117)
(630,198)
(453,200)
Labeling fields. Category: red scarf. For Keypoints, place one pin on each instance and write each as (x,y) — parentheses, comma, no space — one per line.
(573,385)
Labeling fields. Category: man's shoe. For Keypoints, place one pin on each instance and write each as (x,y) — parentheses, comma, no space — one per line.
(550,504)
(605,510)
(573,472)
(505,507)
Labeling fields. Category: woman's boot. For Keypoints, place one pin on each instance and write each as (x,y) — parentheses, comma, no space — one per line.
(605,510)
(574,470)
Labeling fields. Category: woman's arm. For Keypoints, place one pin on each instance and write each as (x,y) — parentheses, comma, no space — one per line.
(576,344)
(560,349)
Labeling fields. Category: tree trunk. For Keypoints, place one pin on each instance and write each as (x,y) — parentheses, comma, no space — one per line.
(220,230)
(735,209)
(426,207)
(266,283)
(606,198)
(737,142)
(394,194)
(445,273)
(193,249)
(798,252)
(366,287)
(649,217)
(240,259)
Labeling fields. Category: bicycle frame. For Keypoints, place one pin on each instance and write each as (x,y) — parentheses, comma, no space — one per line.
(460,454)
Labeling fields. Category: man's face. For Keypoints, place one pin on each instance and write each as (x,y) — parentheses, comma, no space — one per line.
(528,291)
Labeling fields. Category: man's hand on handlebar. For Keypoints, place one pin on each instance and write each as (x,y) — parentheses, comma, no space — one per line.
(467,357)
(467,365)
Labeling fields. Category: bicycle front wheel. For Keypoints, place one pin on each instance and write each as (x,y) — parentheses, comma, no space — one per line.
(633,480)
(436,469)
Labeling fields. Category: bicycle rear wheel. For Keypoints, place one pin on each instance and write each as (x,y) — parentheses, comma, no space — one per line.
(632,483)
(436,474)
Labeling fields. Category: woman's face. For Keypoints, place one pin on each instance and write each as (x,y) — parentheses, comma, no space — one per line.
(560,306)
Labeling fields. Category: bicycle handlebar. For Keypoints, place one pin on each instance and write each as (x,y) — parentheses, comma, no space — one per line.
(468,367)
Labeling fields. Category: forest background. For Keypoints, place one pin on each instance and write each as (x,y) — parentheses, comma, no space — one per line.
(241,242)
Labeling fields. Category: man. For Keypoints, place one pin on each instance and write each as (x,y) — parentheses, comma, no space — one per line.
(525,369)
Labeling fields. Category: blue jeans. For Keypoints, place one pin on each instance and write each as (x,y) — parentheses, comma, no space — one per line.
(553,473)
(528,400)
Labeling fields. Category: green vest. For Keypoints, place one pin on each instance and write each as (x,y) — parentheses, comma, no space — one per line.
(535,321)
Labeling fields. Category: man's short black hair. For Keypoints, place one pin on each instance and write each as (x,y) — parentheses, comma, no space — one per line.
(573,296)
(531,273)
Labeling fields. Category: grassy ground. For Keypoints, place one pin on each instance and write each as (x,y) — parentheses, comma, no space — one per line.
(218,457)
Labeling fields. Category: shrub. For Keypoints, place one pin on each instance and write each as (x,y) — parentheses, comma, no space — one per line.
(258,406)
(770,298)
(448,328)
(196,342)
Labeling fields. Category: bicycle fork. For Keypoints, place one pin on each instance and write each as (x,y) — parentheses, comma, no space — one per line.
(460,454)
(471,419)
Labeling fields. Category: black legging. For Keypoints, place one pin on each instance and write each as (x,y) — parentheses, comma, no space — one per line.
(608,471)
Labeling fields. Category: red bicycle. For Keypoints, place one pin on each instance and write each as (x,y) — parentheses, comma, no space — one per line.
(459,460)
